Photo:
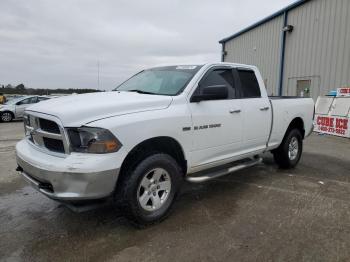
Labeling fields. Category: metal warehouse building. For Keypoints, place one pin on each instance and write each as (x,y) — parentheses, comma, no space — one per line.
(303,50)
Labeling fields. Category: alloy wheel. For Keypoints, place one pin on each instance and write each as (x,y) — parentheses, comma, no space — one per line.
(154,189)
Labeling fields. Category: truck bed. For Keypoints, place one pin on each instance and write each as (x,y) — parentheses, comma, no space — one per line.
(284,110)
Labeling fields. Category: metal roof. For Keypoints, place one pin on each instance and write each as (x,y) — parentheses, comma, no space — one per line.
(263,21)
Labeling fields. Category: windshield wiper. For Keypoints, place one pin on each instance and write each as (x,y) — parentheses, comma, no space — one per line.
(140,92)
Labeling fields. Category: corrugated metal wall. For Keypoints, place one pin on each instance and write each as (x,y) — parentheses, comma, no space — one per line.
(318,49)
(319,46)
(259,47)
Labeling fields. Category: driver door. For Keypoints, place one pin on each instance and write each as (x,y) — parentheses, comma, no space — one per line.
(22,105)
(216,124)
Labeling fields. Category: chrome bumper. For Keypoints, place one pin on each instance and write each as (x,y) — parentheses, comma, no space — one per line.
(66,184)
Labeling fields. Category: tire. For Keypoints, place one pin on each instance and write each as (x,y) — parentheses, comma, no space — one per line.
(150,189)
(288,154)
(6,116)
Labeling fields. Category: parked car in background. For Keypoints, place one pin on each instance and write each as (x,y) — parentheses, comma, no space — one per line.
(14,108)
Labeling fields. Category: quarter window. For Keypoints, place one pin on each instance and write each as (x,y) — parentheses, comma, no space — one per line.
(249,84)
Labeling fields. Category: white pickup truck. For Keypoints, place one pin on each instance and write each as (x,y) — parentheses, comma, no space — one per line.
(160,127)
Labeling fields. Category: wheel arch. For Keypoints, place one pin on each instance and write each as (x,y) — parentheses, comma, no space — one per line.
(162,144)
(297,123)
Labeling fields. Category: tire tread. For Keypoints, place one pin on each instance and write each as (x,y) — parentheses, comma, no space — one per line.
(124,193)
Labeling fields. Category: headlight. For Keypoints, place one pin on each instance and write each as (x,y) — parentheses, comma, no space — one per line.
(26,123)
(92,140)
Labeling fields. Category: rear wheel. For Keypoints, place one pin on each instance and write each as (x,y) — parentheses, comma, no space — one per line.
(288,154)
(150,188)
(6,117)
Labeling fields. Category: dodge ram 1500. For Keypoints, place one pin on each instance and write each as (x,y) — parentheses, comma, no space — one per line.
(164,125)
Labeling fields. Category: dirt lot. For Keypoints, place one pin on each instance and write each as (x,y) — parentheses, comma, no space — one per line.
(259,214)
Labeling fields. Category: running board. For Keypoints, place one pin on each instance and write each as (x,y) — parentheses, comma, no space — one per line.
(222,172)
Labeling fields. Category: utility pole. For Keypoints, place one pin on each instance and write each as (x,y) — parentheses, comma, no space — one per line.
(98,74)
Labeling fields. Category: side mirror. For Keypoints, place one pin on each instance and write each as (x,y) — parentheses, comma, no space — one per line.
(19,103)
(217,92)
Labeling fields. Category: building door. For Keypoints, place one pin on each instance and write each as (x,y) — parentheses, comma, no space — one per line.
(308,86)
(303,88)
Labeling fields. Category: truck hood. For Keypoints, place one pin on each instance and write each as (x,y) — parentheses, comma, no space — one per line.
(78,110)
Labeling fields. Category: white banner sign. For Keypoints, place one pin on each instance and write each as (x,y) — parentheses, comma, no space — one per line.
(332,125)
(345,91)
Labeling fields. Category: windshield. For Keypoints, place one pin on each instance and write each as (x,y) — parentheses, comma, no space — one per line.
(170,80)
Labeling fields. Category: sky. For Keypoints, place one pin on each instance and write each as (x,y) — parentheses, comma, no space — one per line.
(59,43)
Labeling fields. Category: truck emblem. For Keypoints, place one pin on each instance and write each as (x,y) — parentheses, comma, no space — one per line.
(207,126)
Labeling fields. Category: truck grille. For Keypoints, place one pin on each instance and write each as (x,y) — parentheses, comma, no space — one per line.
(49,126)
(54,144)
(46,134)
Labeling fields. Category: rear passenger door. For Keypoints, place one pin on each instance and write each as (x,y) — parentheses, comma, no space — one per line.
(256,112)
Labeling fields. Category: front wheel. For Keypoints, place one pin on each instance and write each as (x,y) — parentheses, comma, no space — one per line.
(150,189)
(288,154)
(6,117)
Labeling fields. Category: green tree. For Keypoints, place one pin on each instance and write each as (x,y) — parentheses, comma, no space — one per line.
(20,87)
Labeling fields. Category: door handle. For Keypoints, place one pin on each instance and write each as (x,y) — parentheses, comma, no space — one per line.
(264,108)
(235,111)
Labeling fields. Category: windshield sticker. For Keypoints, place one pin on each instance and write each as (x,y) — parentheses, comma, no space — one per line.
(186,67)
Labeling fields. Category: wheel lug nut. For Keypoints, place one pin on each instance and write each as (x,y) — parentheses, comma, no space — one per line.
(158,187)
(154,193)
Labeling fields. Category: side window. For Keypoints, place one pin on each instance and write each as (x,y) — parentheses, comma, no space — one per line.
(24,102)
(33,100)
(28,101)
(42,99)
(249,84)
(221,77)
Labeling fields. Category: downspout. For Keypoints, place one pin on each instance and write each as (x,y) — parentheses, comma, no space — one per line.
(282,54)
(223,52)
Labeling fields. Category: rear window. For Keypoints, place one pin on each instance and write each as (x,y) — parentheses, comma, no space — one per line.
(249,84)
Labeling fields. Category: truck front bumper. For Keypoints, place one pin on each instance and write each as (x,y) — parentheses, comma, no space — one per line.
(72,178)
